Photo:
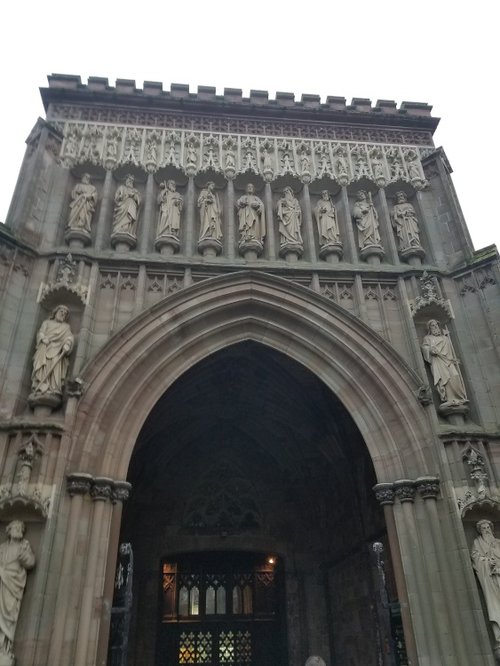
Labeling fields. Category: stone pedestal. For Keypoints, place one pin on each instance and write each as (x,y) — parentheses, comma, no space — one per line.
(44,403)
(454,412)
(251,249)
(291,252)
(167,244)
(412,255)
(372,254)
(123,242)
(209,247)
(77,238)
(331,252)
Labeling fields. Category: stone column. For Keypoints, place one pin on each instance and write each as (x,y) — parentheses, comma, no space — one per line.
(308,225)
(105,211)
(121,492)
(229,230)
(101,493)
(384,493)
(428,489)
(78,485)
(88,312)
(386,226)
(346,229)
(148,216)
(270,237)
(190,217)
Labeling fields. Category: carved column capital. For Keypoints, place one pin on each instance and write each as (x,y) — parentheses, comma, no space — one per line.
(102,488)
(405,490)
(121,491)
(78,483)
(384,492)
(428,487)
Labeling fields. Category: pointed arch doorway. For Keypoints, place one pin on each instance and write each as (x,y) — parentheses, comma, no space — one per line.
(249,459)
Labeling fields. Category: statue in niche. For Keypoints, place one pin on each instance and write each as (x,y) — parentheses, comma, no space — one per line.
(171,203)
(485,556)
(437,350)
(82,206)
(326,219)
(366,217)
(210,213)
(266,159)
(127,202)
(290,218)
(405,222)
(16,558)
(251,216)
(54,342)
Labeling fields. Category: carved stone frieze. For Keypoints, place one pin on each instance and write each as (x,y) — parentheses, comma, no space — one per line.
(405,490)
(194,151)
(99,487)
(94,115)
(427,487)
(78,483)
(384,492)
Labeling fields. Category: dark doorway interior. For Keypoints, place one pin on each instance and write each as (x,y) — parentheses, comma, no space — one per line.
(249,452)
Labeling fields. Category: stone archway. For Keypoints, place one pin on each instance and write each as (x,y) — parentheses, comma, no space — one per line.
(138,365)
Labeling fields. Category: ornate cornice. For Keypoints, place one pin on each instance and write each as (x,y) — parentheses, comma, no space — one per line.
(98,487)
(405,490)
(232,151)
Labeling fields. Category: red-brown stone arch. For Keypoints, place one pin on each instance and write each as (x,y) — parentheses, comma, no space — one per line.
(141,361)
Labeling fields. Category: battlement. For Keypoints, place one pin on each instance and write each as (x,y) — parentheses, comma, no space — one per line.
(70,87)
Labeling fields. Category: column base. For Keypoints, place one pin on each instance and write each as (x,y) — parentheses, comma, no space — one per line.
(454,412)
(331,252)
(122,241)
(250,249)
(43,404)
(291,252)
(412,255)
(77,238)
(372,254)
(167,244)
(209,247)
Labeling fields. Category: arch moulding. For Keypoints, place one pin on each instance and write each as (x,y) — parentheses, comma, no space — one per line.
(128,376)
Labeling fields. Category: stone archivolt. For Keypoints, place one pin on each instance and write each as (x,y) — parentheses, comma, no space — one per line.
(270,156)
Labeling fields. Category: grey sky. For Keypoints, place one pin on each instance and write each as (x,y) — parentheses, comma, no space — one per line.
(444,53)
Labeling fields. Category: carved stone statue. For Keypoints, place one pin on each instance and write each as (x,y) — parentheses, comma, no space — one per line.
(485,556)
(438,352)
(366,218)
(54,342)
(127,202)
(315,660)
(82,206)
(252,219)
(326,219)
(290,218)
(405,222)
(210,213)
(210,220)
(16,558)
(171,203)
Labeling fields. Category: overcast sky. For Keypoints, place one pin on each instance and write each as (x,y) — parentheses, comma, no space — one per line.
(440,52)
